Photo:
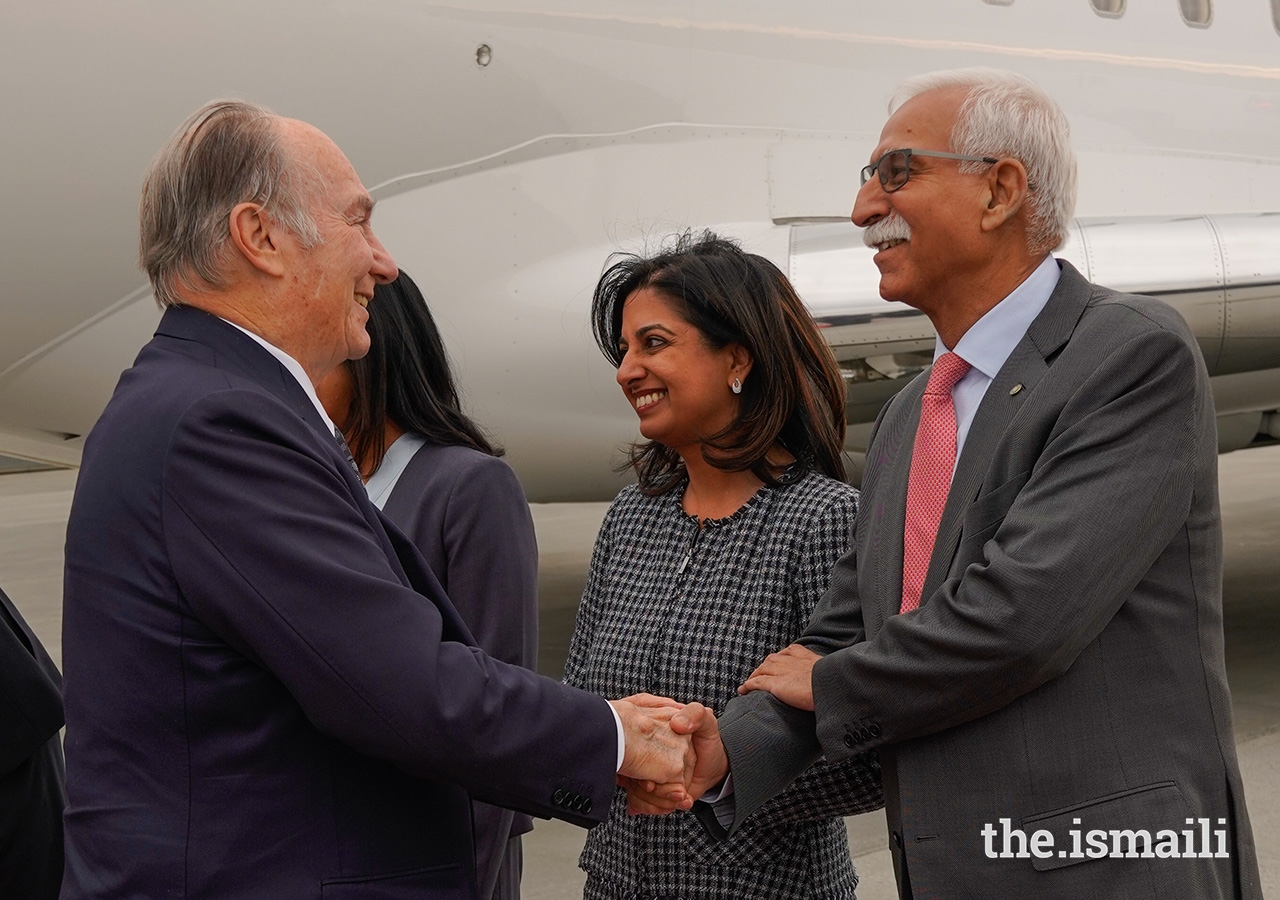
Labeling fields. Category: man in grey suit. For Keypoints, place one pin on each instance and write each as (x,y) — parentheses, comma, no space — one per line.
(1034,648)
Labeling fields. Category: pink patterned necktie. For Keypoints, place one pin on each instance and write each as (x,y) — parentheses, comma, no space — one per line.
(933,460)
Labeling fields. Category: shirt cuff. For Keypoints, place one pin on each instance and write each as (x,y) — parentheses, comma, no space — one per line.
(722,802)
(622,738)
(723,792)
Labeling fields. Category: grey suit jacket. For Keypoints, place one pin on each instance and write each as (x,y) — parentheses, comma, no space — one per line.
(1065,668)
(466,512)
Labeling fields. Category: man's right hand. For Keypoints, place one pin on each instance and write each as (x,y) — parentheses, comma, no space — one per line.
(645,797)
(654,752)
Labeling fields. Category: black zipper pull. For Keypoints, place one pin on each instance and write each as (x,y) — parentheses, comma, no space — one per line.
(688,555)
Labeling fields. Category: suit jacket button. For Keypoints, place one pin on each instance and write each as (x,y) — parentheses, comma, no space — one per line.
(875,731)
(848,740)
(586,806)
(558,797)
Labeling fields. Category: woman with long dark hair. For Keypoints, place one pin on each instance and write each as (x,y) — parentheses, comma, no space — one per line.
(436,476)
(718,555)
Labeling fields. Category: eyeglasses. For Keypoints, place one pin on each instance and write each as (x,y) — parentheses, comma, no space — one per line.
(894,167)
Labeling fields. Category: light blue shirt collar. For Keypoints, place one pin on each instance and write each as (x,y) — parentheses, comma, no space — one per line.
(989,342)
(383,481)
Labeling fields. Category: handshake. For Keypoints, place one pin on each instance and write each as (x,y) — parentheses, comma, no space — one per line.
(673,751)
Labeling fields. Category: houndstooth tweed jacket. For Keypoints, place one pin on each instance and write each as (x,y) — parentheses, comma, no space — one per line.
(688,612)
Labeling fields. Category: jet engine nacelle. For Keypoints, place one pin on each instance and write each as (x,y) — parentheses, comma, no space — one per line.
(1221,272)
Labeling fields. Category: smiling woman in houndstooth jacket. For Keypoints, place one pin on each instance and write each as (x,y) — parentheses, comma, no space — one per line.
(718,556)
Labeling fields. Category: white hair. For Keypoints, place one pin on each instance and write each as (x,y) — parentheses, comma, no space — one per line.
(1007,114)
(228,152)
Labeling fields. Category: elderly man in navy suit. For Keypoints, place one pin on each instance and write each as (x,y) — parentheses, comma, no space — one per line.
(267,692)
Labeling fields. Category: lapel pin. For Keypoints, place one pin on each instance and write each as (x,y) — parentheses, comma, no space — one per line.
(1015,389)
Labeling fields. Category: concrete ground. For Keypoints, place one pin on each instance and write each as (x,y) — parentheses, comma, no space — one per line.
(33,513)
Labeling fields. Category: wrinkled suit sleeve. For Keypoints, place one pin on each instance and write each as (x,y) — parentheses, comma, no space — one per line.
(311,592)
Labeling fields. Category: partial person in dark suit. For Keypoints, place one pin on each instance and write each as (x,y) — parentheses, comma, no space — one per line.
(31,773)
(1028,628)
(268,694)
(439,479)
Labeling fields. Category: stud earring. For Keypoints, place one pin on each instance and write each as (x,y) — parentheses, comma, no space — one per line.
(736,387)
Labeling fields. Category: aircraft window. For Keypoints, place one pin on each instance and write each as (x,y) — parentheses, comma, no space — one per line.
(1112,9)
(1198,13)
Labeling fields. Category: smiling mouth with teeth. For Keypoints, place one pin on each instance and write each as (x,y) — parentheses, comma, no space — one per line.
(363,300)
(646,400)
(885,245)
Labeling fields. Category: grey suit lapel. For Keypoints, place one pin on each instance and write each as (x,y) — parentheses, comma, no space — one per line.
(888,468)
(1025,366)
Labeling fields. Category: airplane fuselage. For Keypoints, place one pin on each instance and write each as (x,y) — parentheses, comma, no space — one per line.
(513,146)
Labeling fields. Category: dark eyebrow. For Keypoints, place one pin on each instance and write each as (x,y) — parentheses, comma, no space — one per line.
(645,329)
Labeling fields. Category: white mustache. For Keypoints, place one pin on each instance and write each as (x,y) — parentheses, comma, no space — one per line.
(891,228)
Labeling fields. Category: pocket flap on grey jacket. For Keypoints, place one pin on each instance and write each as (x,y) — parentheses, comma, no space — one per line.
(990,508)
(1112,826)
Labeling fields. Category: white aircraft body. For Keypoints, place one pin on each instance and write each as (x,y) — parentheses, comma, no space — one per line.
(514,144)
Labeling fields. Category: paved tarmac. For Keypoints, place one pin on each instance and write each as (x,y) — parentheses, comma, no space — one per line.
(33,513)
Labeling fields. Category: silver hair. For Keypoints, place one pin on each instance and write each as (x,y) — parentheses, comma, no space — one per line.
(228,152)
(1007,114)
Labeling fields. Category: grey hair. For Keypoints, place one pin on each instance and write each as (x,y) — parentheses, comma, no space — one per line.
(1007,114)
(228,152)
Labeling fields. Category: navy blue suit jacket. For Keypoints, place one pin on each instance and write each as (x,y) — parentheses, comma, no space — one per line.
(267,692)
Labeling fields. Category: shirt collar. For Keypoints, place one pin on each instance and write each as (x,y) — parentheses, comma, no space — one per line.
(990,340)
(295,369)
(393,464)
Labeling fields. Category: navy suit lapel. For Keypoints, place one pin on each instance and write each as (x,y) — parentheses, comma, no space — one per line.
(1015,381)
(233,351)
(236,352)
